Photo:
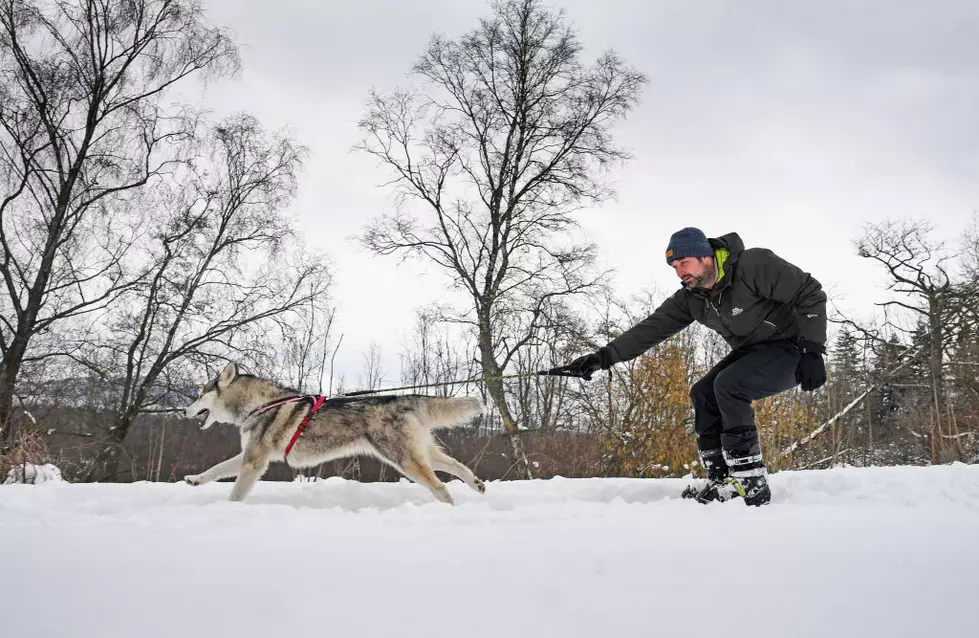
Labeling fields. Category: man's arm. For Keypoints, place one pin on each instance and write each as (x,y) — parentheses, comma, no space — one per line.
(672,316)
(775,278)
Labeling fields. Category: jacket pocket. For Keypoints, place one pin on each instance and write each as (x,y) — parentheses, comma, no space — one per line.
(767,330)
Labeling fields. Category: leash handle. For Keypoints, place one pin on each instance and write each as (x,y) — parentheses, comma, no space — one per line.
(563,371)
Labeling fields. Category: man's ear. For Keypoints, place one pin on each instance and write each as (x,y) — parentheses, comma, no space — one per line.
(228,374)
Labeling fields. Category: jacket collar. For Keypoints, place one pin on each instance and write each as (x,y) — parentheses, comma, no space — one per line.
(727,250)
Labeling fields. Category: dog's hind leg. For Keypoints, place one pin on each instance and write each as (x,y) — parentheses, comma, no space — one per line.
(445,463)
(421,472)
(253,465)
(409,455)
(224,469)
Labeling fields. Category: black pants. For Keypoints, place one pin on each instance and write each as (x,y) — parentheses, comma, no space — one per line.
(722,399)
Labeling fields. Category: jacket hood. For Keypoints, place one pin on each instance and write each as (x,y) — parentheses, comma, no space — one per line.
(731,241)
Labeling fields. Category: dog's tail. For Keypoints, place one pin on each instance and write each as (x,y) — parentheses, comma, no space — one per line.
(449,412)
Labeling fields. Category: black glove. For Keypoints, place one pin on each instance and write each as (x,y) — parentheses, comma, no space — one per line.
(584,366)
(811,372)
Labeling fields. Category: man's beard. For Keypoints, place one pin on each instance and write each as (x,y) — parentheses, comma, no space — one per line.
(696,282)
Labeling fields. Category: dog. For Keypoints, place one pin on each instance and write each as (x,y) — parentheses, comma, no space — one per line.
(395,429)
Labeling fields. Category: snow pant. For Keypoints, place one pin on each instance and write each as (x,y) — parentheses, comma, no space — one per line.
(723,416)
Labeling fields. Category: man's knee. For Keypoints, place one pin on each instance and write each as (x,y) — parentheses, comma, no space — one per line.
(728,384)
(702,391)
(738,415)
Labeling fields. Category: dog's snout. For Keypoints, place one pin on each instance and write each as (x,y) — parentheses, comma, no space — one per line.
(194,410)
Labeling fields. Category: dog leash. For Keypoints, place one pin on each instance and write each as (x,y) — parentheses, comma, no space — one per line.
(563,371)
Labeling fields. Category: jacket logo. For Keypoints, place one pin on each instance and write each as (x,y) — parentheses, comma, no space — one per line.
(736,311)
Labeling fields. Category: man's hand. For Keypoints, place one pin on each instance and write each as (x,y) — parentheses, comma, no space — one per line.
(811,372)
(584,366)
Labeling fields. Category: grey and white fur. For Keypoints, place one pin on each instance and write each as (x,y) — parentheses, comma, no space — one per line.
(395,429)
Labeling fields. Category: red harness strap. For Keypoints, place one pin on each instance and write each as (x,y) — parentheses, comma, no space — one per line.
(317,402)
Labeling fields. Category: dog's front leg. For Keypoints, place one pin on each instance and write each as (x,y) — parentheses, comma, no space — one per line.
(224,469)
(253,465)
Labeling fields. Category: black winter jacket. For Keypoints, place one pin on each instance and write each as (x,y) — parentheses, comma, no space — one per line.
(758,297)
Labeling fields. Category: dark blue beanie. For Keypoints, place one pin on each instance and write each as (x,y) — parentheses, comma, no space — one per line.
(688,242)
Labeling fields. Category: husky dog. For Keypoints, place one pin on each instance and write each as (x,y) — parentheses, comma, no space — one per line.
(395,429)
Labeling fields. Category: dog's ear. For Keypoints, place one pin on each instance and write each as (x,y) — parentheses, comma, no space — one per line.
(228,374)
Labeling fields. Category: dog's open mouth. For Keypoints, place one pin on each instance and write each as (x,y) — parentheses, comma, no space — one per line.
(203,413)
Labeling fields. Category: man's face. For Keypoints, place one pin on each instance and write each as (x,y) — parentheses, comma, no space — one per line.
(695,272)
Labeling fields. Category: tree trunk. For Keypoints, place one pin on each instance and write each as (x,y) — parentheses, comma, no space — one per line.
(494,384)
(109,461)
(6,407)
(936,350)
(105,466)
(9,368)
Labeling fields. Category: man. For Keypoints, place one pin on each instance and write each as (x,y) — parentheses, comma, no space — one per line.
(771,313)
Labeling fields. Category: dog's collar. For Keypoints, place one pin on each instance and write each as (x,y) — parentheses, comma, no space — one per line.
(317,401)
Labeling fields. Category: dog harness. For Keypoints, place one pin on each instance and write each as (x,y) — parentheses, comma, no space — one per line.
(315,400)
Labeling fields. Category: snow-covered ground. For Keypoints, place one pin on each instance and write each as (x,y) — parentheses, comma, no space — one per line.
(846,552)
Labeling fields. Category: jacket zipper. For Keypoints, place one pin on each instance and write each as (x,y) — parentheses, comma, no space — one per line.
(718,312)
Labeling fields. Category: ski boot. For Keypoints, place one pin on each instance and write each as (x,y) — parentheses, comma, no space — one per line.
(717,473)
(744,475)
(749,471)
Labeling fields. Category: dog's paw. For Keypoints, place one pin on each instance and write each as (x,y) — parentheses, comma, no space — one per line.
(193,479)
(480,486)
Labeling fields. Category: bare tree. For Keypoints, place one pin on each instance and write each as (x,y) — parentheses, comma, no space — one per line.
(966,330)
(82,126)
(917,267)
(964,350)
(542,401)
(930,311)
(305,344)
(512,136)
(223,271)
(434,357)
(374,372)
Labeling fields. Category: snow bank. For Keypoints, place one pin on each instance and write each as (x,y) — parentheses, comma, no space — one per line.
(33,474)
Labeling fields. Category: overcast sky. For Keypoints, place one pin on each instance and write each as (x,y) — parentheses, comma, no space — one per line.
(790,123)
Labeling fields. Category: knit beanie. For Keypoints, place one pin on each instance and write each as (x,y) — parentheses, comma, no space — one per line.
(688,242)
